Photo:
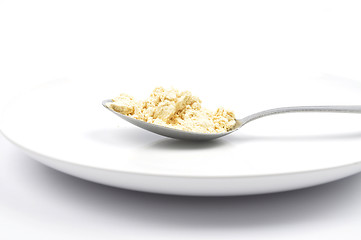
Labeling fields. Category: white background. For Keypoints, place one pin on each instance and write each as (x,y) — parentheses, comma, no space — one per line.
(206,46)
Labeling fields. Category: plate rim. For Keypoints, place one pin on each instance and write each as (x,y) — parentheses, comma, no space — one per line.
(27,150)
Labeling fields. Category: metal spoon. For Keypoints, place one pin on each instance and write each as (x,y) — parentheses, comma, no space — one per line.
(194,136)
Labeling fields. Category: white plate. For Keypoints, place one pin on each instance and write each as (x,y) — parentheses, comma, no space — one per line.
(64,126)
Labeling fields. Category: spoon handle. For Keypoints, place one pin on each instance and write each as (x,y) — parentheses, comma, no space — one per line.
(335,109)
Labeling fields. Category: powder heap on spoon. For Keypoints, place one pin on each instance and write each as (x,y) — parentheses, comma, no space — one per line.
(174,109)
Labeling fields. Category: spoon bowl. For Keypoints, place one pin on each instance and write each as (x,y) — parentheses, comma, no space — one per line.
(172,132)
(195,136)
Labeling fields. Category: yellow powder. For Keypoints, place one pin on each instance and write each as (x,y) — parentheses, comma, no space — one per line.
(175,109)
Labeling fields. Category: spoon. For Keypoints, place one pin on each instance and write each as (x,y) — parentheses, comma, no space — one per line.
(195,136)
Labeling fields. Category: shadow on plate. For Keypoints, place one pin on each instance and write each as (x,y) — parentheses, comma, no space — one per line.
(288,138)
(132,136)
